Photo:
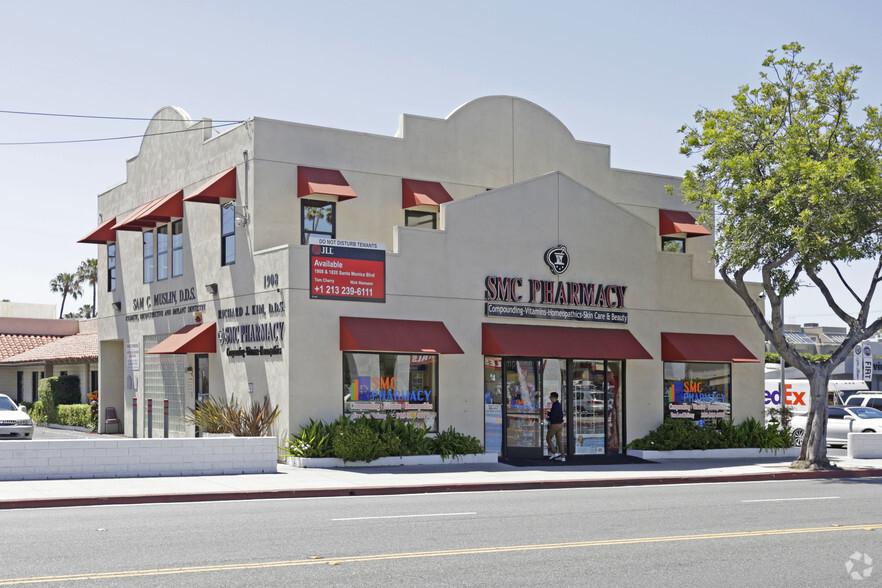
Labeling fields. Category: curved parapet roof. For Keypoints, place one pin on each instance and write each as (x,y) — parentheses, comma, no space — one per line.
(496,101)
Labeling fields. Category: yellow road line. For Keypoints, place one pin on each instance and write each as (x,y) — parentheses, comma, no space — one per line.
(420,554)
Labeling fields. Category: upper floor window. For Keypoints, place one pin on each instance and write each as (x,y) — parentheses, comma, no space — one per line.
(111,267)
(162,253)
(674,244)
(420,218)
(228,235)
(148,256)
(177,258)
(318,218)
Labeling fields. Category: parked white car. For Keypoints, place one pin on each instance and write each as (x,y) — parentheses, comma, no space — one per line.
(14,421)
(841,421)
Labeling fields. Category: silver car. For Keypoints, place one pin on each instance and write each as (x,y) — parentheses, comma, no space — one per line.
(841,420)
(14,421)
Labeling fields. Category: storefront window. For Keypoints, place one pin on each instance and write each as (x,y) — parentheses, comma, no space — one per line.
(493,404)
(698,391)
(378,385)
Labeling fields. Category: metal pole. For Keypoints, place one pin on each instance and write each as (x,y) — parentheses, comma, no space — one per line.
(165,418)
(149,418)
(134,417)
(783,383)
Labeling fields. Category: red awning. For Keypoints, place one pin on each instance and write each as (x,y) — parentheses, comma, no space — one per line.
(701,347)
(395,335)
(190,339)
(103,235)
(568,342)
(220,187)
(153,213)
(323,182)
(671,222)
(422,193)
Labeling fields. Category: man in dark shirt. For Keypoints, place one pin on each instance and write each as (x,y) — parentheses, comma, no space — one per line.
(555,429)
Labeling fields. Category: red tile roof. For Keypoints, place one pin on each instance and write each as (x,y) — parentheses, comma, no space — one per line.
(76,347)
(11,345)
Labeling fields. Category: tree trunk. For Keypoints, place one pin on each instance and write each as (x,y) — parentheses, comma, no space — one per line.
(813,455)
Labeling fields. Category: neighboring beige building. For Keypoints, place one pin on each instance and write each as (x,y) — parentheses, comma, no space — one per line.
(35,348)
(459,272)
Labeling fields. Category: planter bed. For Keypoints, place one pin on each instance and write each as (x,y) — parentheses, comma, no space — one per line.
(398,460)
(740,453)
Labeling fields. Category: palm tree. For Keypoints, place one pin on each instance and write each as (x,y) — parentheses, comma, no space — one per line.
(66,284)
(88,273)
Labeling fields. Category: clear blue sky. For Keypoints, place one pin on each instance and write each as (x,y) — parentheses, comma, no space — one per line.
(623,73)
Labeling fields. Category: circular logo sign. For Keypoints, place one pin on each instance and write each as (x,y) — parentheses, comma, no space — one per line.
(557,259)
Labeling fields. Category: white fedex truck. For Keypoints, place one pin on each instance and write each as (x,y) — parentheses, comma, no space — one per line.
(796,393)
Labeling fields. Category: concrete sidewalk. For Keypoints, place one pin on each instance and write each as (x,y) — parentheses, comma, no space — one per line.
(290,482)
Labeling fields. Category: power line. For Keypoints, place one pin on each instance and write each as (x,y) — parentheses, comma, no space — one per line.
(199,128)
(25,113)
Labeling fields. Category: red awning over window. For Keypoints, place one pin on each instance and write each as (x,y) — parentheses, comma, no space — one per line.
(563,342)
(190,339)
(396,336)
(701,347)
(153,213)
(220,187)
(422,193)
(322,182)
(103,235)
(671,222)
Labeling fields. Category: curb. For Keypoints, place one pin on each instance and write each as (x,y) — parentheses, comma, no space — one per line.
(427,489)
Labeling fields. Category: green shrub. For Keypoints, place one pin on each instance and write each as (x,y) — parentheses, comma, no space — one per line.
(213,416)
(67,390)
(356,442)
(47,401)
(76,415)
(450,444)
(37,414)
(366,439)
(680,434)
(314,440)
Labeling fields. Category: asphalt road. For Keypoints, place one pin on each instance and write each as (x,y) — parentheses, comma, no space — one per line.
(740,534)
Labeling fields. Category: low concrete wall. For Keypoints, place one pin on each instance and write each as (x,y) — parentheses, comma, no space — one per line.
(713,453)
(399,460)
(864,445)
(132,458)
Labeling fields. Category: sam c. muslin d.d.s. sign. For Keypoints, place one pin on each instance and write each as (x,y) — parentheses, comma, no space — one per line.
(347,270)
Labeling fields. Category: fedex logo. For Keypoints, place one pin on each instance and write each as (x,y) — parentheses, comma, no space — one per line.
(791,398)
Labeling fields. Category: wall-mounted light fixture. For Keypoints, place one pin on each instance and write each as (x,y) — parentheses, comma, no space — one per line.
(240,212)
(189,370)
(211,289)
(117,305)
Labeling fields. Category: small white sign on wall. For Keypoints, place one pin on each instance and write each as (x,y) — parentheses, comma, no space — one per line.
(133,357)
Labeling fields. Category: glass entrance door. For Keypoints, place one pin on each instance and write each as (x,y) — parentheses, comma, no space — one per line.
(528,385)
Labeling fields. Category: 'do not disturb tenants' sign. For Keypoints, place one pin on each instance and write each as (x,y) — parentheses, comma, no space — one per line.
(347,270)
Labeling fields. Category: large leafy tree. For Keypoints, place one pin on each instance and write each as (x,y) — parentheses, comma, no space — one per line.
(66,284)
(795,191)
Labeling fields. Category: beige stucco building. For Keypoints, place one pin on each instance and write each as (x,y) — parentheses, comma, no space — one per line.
(458,273)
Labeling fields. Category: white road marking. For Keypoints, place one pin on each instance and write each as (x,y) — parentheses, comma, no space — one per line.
(791,499)
(441,514)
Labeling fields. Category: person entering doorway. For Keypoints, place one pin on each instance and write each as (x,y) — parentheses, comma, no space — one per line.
(555,429)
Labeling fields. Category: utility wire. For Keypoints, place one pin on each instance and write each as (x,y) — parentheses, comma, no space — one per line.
(22,112)
(198,128)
